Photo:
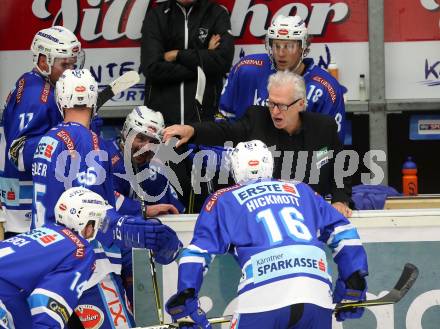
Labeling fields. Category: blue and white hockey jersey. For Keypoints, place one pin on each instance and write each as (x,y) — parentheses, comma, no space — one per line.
(30,111)
(157,186)
(72,155)
(278,232)
(247,85)
(49,267)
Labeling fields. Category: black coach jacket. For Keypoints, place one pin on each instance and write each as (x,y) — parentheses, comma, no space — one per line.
(171,86)
(317,139)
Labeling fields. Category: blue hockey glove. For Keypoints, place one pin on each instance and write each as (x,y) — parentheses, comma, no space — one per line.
(354,289)
(168,246)
(184,309)
(136,232)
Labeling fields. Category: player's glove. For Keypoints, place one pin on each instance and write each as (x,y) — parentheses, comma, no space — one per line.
(184,309)
(136,232)
(353,289)
(169,246)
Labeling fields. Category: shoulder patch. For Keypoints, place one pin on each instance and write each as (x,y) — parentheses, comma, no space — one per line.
(67,140)
(20,89)
(214,197)
(45,148)
(45,92)
(80,247)
(327,86)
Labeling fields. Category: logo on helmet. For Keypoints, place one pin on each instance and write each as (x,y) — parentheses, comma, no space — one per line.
(62,207)
(283,32)
(47,36)
(138,111)
(253,163)
(152,129)
(80,89)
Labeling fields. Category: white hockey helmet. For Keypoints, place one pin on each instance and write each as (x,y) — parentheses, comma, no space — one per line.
(76,88)
(288,28)
(145,121)
(56,42)
(77,206)
(251,160)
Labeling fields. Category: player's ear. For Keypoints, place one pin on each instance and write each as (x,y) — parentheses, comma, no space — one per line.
(42,63)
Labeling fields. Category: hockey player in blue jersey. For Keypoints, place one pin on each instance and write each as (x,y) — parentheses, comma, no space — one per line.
(277,231)
(29,113)
(70,154)
(45,270)
(161,196)
(287,45)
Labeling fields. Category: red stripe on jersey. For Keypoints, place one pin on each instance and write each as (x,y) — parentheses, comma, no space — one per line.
(327,86)
(214,197)
(20,90)
(67,140)
(79,253)
(45,93)
(95,141)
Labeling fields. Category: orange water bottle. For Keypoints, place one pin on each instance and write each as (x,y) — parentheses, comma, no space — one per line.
(409,177)
(333,70)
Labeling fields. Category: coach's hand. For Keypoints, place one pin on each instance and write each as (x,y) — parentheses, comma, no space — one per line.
(183,132)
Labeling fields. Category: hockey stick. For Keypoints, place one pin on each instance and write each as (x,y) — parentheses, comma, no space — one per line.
(200,91)
(405,282)
(407,278)
(153,272)
(201,85)
(150,258)
(122,83)
(219,320)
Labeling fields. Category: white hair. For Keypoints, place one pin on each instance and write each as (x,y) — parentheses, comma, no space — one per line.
(288,78)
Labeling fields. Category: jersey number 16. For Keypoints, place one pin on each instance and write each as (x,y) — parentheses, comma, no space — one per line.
(292,221)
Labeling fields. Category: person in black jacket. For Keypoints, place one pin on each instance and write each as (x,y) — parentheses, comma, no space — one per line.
(178,36)
(283,124)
